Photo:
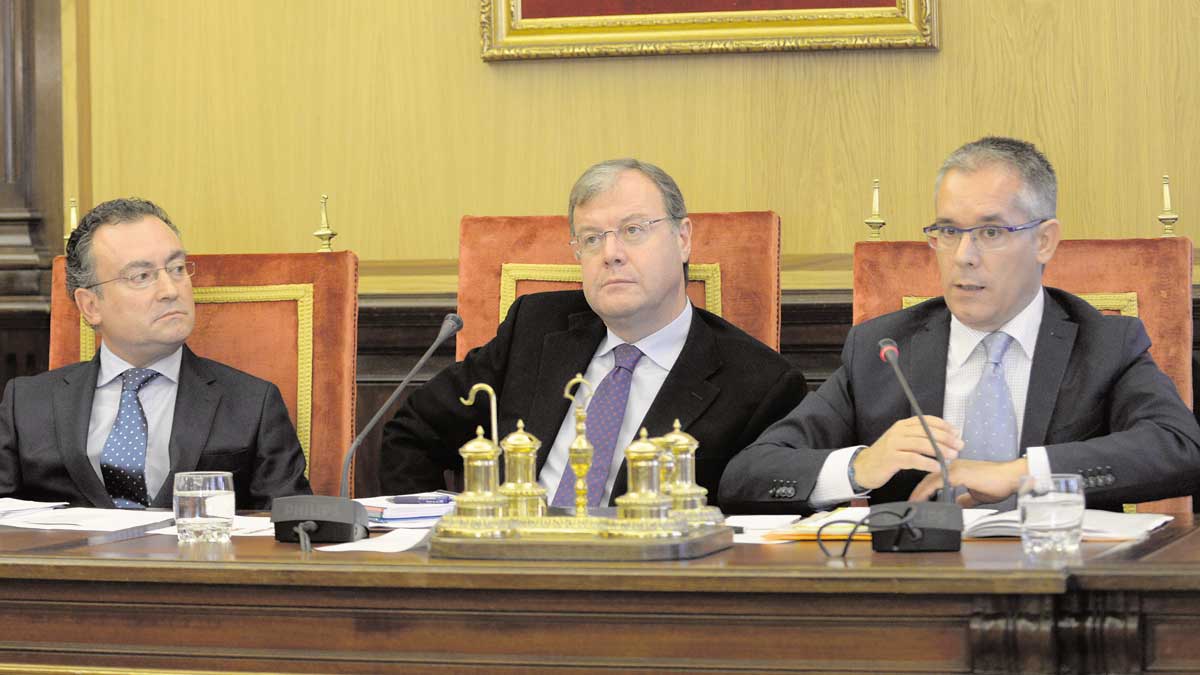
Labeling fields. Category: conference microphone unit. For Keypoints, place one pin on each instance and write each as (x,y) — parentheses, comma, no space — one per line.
(321,519)
(916,526)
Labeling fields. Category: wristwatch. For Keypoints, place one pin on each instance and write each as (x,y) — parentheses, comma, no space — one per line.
(854,486)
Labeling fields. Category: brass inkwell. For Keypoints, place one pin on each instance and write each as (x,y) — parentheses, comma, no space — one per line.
(664,515)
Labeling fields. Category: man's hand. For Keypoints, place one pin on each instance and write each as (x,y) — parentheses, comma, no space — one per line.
(905,446)
(986,482)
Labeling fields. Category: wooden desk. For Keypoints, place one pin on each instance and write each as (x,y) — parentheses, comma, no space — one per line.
(257,605)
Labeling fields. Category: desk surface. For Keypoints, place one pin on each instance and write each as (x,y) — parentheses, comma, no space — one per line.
(258,605)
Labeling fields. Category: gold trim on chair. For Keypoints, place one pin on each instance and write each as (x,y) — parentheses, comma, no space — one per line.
(510,273)
(302,294)
(1126,304)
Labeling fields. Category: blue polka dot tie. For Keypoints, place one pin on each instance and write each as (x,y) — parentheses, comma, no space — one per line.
(990,427)
(123,460)
(605,413)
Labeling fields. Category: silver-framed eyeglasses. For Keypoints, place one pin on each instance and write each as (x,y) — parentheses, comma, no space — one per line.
(986,237)
(144,278)
(630,233)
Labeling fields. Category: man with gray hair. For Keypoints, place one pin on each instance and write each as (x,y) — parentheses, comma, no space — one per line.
(1014,378)
(631,331)
(114,430)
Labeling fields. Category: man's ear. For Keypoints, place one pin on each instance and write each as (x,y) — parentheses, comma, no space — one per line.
(89,305)
(685,239)
(1048,235)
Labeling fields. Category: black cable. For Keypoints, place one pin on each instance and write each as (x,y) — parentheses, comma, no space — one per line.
(904,521)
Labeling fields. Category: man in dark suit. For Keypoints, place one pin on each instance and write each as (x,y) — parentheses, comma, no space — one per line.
(651,356)
(115,430)
(1014,378)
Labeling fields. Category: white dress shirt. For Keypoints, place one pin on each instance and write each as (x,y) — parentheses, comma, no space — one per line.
(158,402)
(965,359)
(660,350)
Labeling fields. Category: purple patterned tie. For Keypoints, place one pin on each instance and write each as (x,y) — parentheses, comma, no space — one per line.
(605,412)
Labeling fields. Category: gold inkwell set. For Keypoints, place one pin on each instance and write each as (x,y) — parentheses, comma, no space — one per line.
(664,515)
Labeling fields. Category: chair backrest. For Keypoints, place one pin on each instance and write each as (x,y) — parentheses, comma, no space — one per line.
(1147,278)
(291,319)
(734,269)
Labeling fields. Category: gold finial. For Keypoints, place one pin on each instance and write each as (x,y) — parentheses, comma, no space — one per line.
(72,222)
(325,234)
(875,222)
(470,400)
(1167,217)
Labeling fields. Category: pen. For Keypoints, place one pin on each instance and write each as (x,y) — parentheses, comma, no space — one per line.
(421,499)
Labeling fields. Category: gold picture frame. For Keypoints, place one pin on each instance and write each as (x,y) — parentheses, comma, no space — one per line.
(508,34)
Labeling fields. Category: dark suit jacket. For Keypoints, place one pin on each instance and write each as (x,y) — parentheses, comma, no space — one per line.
(1096,401)
(224,420)
(725,388)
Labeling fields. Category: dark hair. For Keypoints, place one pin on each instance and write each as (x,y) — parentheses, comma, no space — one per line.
(81,266)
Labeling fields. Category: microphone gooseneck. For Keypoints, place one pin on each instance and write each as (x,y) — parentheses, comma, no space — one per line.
(450,325)
(890,353)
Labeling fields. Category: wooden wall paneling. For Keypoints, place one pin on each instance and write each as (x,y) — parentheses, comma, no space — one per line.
(389,109)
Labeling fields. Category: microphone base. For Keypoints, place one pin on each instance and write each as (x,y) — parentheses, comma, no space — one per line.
(338,519)
(933,526)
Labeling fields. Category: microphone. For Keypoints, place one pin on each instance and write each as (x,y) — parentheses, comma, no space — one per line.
(890,353)
(317,518)
(916,526)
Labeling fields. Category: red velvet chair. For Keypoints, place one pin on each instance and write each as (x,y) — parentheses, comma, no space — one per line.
(291,319)
(1147,278)
(734,269)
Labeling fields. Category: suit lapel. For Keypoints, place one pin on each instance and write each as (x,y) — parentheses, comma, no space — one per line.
(195,408)
(1055,341)
(924,363)
(685,394)
(564,354)
(73,396)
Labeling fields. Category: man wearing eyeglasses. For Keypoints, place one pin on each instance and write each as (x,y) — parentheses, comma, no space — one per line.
(1014,378)
(114,430)
(650,355)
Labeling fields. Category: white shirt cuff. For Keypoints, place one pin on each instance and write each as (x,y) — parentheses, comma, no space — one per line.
(1039,463)
(833,483)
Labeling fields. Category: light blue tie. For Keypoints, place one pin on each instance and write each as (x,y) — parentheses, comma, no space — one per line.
(123,460)
(990,427)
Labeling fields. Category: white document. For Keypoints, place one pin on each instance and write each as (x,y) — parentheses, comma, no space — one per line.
(88,519)
(243,526)
(1097,525)
(392,542)
(10,506)
(748,523)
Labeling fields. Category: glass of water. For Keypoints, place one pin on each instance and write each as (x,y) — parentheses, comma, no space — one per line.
(1051,514)
(204,506)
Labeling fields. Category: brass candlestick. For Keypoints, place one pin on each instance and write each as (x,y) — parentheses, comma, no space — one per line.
(1168,218)
(875,222)
(579,455)
(325,233)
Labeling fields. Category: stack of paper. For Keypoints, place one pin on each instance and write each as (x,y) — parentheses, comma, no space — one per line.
(1097,525)
(422,509)
(24,507)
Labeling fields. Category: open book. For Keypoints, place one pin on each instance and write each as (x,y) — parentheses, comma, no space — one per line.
(978,524)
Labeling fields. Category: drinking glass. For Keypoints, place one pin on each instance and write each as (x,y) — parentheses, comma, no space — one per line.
(1051,514)
(204,506)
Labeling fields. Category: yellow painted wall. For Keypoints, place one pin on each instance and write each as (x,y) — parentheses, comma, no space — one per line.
(236,115)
